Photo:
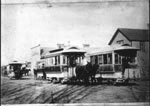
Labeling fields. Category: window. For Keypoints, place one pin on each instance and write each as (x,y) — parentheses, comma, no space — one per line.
(58,59)
(142,46)
(96,59)
(53,60)
(109,59)
(116,58)
(78,60)
(120,42)
(46,62)
(120,59)
(93,59)
(105,58)
(41,51)
(100,59)
(64,59)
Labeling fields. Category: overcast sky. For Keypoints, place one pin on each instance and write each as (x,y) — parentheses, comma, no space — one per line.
(25,26)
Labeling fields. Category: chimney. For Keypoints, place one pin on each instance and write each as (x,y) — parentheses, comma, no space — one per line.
(68,43)
(86,45)
(60,46)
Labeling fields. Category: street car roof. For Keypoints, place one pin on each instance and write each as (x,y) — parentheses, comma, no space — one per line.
(117,48)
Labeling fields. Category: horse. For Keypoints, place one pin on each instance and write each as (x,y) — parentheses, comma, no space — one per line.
(81,74)
(93,72)
(89,71)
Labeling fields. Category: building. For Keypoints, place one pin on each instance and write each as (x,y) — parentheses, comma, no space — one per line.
(37,54)
(138,38)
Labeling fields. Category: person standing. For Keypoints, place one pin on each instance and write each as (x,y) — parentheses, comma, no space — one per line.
(88,72)
(35,74)
(94,69)
(44,73)
(124,65)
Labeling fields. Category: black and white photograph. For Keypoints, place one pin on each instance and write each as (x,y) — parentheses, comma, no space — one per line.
(75,52)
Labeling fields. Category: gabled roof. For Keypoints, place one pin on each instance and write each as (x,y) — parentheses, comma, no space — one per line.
(44,50)
(132,34)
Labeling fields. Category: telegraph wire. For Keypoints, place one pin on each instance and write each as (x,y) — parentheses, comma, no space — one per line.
(78,2)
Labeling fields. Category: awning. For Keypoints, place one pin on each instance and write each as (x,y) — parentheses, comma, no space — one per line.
(126,48)
(126,51)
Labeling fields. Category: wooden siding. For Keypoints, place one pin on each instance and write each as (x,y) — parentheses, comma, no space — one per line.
(120,37)
(143,59)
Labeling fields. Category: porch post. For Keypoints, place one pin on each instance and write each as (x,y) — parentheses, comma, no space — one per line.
(113,60)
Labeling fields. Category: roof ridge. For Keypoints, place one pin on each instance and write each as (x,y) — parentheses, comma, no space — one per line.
(132,34)
(133,29)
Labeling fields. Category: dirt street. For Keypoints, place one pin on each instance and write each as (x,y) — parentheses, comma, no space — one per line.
(30,91)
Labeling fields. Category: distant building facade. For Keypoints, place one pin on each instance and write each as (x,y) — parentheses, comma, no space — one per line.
(37,53)
(138,38)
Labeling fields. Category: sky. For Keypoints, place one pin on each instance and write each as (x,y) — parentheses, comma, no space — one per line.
(25,26)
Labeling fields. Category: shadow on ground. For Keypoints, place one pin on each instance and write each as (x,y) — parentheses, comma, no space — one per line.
(73,93)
